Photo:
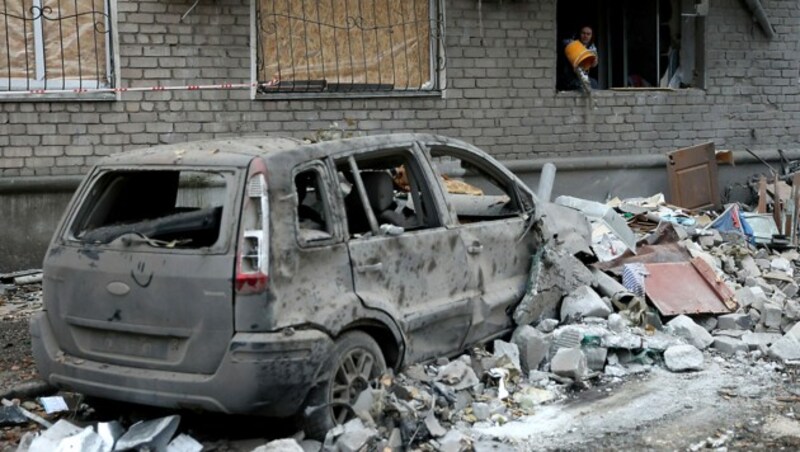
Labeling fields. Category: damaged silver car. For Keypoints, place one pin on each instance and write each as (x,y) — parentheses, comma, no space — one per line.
(273,276)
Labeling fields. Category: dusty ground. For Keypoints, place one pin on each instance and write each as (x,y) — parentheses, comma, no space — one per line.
(738,404)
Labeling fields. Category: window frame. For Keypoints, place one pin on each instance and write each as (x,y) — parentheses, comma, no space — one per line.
(332,228)
(26,90)
(437,58)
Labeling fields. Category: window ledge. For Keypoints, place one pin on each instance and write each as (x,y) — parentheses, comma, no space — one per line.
(622,91)
(59,97)
(348,95)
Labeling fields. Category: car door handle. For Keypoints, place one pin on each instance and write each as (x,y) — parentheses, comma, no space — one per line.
(370,268)
(475,248)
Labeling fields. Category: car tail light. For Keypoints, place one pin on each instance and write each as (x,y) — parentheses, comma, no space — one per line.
(252,260)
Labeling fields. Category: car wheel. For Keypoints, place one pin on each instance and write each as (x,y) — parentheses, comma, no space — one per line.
(355,363)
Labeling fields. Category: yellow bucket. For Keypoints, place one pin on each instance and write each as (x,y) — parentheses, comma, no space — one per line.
(579,55)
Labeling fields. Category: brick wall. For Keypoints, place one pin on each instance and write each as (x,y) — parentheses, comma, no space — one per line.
(500,91)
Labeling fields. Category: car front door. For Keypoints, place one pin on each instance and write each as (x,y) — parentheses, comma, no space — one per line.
(404,260)
(491,217)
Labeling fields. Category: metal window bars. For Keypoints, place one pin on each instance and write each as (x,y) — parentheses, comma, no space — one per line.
(55,44)
(349,46)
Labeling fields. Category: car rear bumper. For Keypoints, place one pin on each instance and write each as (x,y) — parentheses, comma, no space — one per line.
(261,373)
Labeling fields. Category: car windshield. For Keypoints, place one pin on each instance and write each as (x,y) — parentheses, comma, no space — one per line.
(173,208)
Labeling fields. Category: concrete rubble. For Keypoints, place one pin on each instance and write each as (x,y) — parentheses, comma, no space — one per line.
(577,327)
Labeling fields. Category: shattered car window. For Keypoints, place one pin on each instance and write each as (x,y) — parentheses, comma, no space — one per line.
(474,193)
(312,217)
(174,209)
(398,196)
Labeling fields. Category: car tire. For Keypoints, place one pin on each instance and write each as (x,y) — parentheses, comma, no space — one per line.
(355,363)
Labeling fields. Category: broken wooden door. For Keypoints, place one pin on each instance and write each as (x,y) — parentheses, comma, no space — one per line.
(693,177)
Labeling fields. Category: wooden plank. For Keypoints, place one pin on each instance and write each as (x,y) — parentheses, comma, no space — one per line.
(693,177)
(762,195)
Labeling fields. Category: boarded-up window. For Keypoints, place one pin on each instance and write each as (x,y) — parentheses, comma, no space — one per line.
(54,44)
(348,45)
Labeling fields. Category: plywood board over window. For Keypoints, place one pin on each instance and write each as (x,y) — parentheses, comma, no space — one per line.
(54,44)
(345,45)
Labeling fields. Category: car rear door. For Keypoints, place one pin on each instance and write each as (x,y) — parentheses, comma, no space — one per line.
(142,274)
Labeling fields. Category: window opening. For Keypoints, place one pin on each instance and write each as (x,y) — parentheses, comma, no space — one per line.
(348,46)
(55,44)
(474,193)
(180,209)
(639,44)
(396,192)
(312,217)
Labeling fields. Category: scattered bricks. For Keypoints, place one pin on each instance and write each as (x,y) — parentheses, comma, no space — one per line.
(583,302)
(782,265)
(756,340)
(738,321)
(787,347)
(755,316)
(771,316)
(533,346)
(680,358)
(709,322)
(569,362)
(763,264)
(729,345)
(693,333)
(749,296)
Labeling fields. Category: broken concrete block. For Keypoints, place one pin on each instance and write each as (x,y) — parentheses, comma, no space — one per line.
(791,289)
(547,325)
(310,445)
(737,321)
(782,265)
(583,302)
(533,346)
(729,345)
(617,323)
(787,347)
(434,427)
(481,411)
(566,337)
(49,440)
(529,397)
(771,316)
(693,333)
(595,357)
(569,362)
(755,340)
(748,296)
(455,441)
(153,434)
(557,274)
(185,443)
(508,350)
(458,374)
(85,441)
(679,358)
(791,310)
(708,322)
(355,436)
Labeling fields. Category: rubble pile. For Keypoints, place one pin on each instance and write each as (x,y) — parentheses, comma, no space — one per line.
(20,294)
(690,289)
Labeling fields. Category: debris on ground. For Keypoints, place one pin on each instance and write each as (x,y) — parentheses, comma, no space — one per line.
(695,291)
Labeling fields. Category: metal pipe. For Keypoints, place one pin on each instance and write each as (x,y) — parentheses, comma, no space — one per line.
(546,180)
(761,17)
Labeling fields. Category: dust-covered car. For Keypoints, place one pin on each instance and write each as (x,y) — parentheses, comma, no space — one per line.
(266,275)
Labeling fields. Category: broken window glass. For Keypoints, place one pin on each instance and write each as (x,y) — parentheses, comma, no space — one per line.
(399,199)
(474,193)
(312,216)
(179,209)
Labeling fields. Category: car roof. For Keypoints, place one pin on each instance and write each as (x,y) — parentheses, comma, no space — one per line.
(238,151)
